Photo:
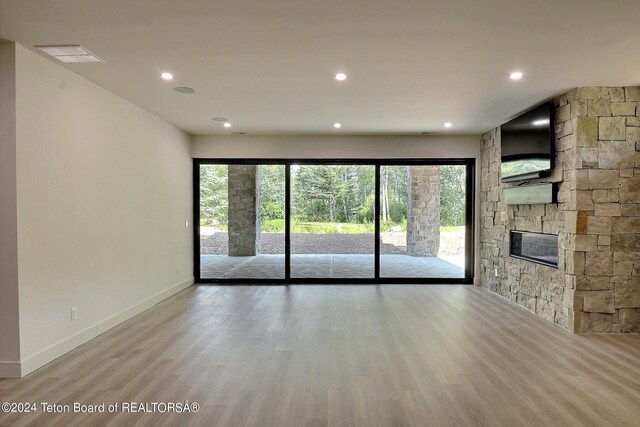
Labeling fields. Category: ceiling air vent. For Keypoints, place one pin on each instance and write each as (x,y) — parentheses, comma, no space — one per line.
(69,53)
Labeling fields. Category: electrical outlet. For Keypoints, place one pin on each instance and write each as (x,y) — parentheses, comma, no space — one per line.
(495,271)
(74,313)
(186,223)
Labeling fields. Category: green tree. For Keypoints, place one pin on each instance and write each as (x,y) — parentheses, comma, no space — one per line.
(271,191)
(319,189)
(452,195)
(214,206)
(397,193)
(384,193)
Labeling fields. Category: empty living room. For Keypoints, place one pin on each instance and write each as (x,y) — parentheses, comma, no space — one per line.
(319,213)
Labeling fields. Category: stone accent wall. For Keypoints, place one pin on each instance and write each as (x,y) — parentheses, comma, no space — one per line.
(607,192)
(423,214)
(597,218)
(536,287)
(244,210)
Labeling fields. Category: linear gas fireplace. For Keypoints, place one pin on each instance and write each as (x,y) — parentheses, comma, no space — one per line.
(535,247)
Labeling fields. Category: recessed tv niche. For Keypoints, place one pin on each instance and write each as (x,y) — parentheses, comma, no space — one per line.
(527,145)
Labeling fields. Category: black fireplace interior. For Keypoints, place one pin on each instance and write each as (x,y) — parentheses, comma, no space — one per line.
(535,247)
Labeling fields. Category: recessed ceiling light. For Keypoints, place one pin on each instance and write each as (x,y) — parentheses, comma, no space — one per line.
(337,125)
(516,75)
(167,76)
(341,76)
(69,53)
(448,125)
(541,122)
(184,89)
(227,125)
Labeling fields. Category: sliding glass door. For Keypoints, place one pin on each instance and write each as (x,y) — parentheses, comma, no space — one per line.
(241,221)
(422,221)
(332,221)
(351,221)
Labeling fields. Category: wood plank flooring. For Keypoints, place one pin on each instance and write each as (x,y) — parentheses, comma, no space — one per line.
(341,356)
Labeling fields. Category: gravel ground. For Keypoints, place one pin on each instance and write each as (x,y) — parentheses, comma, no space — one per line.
(273,243)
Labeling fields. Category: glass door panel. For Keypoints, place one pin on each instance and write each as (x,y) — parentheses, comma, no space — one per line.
(422,221)
(332,221)
(242,221)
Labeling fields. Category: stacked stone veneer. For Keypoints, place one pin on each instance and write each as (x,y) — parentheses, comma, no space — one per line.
(596,287)
(244,210)
(423,214)
(536,287)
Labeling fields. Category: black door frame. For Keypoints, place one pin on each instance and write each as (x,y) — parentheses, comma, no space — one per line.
(469,219)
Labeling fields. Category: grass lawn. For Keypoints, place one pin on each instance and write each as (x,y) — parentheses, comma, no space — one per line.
(277,226)
(451,228)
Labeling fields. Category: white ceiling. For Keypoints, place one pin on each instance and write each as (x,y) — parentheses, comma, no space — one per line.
(268,65)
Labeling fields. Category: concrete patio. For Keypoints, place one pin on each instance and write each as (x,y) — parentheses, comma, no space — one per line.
(326,266)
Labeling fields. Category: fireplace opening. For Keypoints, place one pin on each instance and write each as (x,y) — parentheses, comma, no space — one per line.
(535,247)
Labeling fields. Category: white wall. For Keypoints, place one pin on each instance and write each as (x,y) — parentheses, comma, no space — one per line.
(338,147)
(103,192)
(9,325)
(346,147)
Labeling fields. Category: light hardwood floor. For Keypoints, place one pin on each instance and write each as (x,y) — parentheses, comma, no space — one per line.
(342,356)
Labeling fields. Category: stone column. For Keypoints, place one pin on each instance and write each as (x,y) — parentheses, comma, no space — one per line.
(244,210)
(423,213)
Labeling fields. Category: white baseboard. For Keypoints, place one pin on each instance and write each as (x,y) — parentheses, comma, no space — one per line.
(10,370)
(56,350)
